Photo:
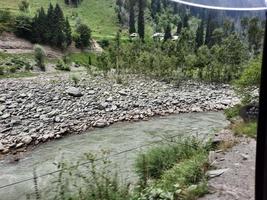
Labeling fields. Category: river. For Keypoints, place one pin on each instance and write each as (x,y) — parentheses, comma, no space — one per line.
(116,138)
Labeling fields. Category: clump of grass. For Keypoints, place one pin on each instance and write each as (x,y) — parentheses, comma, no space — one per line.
(242,128)
(61,65)
(156,161)
(184,174)
(75,79)
(186,180)
(2,70)
(232,112)
(94,181)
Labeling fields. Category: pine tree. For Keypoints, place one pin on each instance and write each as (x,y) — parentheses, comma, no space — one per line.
(83,37)
(185,21)
(211,26)
(132,17)
(155,8)
(179,28)
(39,26)
(141,18)
(200,35)
(58,37)
(50,22)
(67,32)
(168,34)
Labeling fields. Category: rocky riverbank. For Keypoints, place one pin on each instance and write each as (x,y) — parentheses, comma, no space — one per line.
(39,109)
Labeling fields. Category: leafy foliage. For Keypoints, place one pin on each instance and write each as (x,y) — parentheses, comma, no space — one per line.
(39,54)
(83,36)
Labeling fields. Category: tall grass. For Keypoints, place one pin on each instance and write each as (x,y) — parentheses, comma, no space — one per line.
(152,164)
(175,170)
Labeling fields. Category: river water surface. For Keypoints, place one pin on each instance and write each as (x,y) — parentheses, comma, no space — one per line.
(116,138)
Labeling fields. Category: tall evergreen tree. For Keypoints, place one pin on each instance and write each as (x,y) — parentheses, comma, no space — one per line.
(168,34)
(210,27)
(50,22)
(185,21)
(58,37)
(67,32)
(131,17)
(155,7)
(179,28)
(141,18)
(39,26)
(200,35)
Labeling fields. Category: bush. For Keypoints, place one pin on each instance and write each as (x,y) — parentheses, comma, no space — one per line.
(232,112)
(251,75)
(83,36)
(92,182)
(39,54)
(6,20)
(2,70)
(75,79)
(184,174)
(62,66)
(104,43)
(12,69)
(152,164)
(23,27)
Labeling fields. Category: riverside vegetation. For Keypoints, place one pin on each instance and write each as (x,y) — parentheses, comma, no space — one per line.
(172,170)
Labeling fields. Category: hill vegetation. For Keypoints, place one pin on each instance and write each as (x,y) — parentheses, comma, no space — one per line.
(99,15)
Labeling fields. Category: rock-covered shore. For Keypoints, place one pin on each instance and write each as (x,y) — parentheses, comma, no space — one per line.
(39,109)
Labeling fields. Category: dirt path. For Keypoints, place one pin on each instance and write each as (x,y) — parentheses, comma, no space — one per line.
(238,181)
(9,43)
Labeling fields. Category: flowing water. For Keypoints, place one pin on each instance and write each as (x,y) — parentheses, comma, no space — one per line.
(116,138)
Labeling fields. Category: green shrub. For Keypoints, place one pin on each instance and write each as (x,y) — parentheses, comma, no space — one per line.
(2,70)
(184,174)
(104,43)
(232,112)
(94,181)
(39,54)
(61,65)
(152,164)
(12,69)
(184,181)
(251,75)
(75,79)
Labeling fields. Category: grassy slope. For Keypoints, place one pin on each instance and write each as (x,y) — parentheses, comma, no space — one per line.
(98,14)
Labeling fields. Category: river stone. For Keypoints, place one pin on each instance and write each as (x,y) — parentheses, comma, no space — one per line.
(122,93)
(75,92)
(19,145)
(5,116)
(110,99)
(91,92)
(26,140)
(215,173)
(2,148)
(2,108)
(2,100)
(101,123)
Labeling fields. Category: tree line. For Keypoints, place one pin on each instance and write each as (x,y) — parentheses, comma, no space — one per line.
(52,28)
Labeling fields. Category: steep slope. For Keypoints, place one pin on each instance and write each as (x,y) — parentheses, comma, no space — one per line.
(98,14)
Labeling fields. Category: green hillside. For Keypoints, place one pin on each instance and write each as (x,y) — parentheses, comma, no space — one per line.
(98,14)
